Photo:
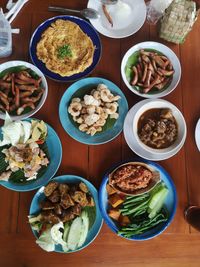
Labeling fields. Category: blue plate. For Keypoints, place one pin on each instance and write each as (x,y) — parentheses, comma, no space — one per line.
(71,179)
(86,28)
(170,202)
(73,131)
(55,153)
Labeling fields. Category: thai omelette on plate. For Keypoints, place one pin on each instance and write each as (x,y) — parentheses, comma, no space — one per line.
(65,49)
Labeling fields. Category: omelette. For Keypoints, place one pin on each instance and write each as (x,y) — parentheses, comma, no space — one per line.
(65,49)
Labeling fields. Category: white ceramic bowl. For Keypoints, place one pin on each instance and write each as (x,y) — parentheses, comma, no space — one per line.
(165,51)
(16,63)
(158,103)
(128,17)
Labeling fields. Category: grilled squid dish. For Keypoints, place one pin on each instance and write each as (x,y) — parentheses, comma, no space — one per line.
(19,91)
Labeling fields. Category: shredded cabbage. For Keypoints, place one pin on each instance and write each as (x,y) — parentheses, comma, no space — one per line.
(56,234)
(45,241)
(27,130)
(15,131)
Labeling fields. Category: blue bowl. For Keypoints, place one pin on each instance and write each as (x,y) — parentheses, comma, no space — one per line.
(170,202)
(86,28)
(73,131)
(55,153)
(71,179)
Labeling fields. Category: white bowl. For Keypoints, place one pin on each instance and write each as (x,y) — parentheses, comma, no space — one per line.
(165,51)
(158,103)
(131,136)
(15,63)
(125,22)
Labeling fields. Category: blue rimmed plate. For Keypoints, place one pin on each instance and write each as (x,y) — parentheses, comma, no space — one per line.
(71,179)
(73,131)
(170,202)
(86,28)
(55,154)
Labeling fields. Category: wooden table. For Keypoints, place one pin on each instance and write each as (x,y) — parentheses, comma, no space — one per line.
(179,245)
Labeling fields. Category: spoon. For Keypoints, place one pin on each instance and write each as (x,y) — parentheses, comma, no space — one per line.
(88,13)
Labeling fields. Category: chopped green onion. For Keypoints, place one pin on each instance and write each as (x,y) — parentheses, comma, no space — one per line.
(64,51)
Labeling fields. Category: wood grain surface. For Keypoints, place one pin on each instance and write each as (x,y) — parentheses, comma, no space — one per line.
(178,245)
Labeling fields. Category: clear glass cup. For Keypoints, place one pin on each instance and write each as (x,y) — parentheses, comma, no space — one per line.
(192,216)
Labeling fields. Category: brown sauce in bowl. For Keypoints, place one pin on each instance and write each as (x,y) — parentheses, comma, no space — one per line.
(157,128)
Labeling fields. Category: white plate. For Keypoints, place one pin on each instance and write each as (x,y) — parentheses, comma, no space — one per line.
(28,65)
(132,141)
(128,17)
(197,134)
(165,51)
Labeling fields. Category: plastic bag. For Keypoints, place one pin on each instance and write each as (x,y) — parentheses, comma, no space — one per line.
(155,9)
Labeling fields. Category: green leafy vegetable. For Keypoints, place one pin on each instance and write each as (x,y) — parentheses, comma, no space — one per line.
(144,211)
(64,51)
(143,225)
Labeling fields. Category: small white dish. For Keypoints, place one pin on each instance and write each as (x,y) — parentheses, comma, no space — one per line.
(130,130)
(197,134)
(165,51)
(128,17)
(17,63)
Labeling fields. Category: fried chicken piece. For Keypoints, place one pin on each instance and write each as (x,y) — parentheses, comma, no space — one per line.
(48,190)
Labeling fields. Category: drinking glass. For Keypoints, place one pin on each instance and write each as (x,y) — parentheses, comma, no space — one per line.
(192,216)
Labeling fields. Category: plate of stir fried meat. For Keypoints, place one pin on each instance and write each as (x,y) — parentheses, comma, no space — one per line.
(64,214)
(151,69)
(30,154)
(23,89)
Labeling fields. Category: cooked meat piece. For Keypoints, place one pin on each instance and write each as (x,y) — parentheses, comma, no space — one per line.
(80,197)
(49,216)
(151,123)
(147,128)
(160,127)
(83,187)
(46,205)
(76,209)
(63,189)
(55,196)
(48,190)
(67,215)
(166,114)
(58,209)
(91,202)
(73,189)
(66,201)
(5,176)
